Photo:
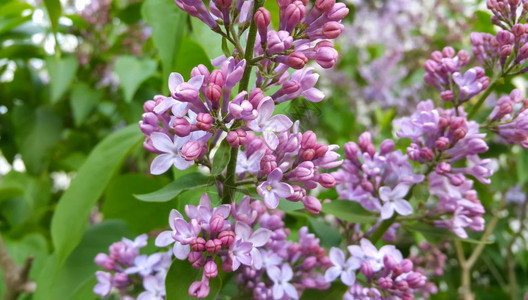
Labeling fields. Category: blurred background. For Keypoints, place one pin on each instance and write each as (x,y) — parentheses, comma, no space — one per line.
(73,72)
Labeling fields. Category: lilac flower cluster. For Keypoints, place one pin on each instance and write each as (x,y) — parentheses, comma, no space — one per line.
(125,268)
(443,71)
(379,180)
(440,138)
(509,118)
(210,238)
(388,275)
(507,49)
(288,268)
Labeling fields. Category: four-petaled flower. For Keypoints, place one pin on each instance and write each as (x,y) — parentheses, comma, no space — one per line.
(273,188)
(394,201)
(258,239)
(345,269)
(171,153)
(249,164)
(281,281)
(268,124)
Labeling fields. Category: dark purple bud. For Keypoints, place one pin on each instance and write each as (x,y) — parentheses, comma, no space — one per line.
(216,223)
(196,259)
(191,150)
(309,140)
(327,180)
(149,106)
(308,154)
(505,37)
(459,133)
(223,4)
(199,289)
(442,143)
(198,245)
(312,204)
(210,269)
(227,238)
(332,30)
(385,283)
(297,60)
(426,153)
(181,127)
(324,5)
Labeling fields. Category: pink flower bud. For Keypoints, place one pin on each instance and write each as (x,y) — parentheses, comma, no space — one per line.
(447,96)
(216,223)
(199,289)
(332,30)
(227,238)
(305,171)
(290,87)
(181,127)
(402,285)
(415,280)
(364,141)
(214,93)
(456,179)
(366,269)
(309,263)
(426,153)
(201,70)
(217,77)
(448,52)
(120,280)
(459,133)
(505,37)
(198,245)
(213,246)
(406,265)
(204,121)
(191,150)
(298,194)
(312,204)
(337,12)
(505,50)
(279,41)
(327,180)
(326,57)
(309,140)
(431,66)
(187,93)
(320,150)
(210,269)
(385,283)
(255,97)
(196,259)
(463,57)
(389,262)
(223,4)
(237,138)
(442,143)
(297,60)
(351,150)
(149,106)
(262,20)
(386,146)
(294,13)
(443,168)
(268,164)
(308,154)
(324,5)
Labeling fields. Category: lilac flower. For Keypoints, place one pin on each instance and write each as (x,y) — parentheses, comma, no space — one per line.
(104,283)
(171,153)
(249,164)
(165,238)
(273,189)
(144,264)
(154,288)
(301,84)
(468,83)
(204,212)
(240,253)
(178,108)
(269,125)
(243,212)
(258,239)
(368,252)
(345,269)
(394,201)
(281,282)
(515,195)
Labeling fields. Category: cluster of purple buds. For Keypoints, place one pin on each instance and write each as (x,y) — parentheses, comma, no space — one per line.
(429,259)
(439,139)
(385,270)
(443,71)
(509,118)
(507,13)
(287,164)
(124,265)
(378,180)
(209,238)
(288,268)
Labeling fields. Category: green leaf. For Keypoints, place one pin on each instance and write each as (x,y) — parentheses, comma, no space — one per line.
(21,51)
(132,71)
(120,202)
(43,133)
(328,235)
(522,166)
(349,211)
(54,9)
(61,72)
(181,275)
(184,183)
(83,100)
(221,158)
(167,31)
(73,209)
(190,56)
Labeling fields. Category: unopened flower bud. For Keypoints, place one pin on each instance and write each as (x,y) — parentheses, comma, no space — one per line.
(294,13)
(181,127)
(204,121)
(459,133)
(386,146)
(214,93)
(237,138)
(415,280)
(308,154)
(406,265)
(443,168)
(196,259)
(217,77)
(309,139)
(401,285)
(210,269)
(298,193)
(262,21)
(332,30)
(309,263)
(385,283)
(426,153)
(324,5)
(120,280)
(366,268)
(255,97)
(191,150)
(326,57)
(201,70)
(216,223)
(198,245)
(326,180)
(442,143)
(447,96)
(227,238)
(312,204)
(337,12)
(297,60)
(149,106)
(351,150)
(199,289)
(389,262)
(305,171)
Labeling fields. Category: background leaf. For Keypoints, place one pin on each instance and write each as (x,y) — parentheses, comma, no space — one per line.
(61,72)
(184,183)
(83,101)
(221,158)
(349,211)
(132,71)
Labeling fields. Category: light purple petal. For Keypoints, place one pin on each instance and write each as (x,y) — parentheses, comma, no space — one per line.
(175,79)
(256,257)
(182,164)
(332,273)
(164,105)
(337,256)
(313,95)
(348,277)
(274,273)
(287,272)
(161,163)
(355,251)
(181,251)
(283,190)
(275,175)
(260,237)
(265,110)
(196,81)
(162,142)
(384,193)
(164,239)
(243,230)
(271,139)
(400,191)
(280,123)
(387,211)
(271,200)
(290,290)
(278,291)
(353,263)
(403,207)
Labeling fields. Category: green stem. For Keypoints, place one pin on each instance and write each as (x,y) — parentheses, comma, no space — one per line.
(229,183)
(481,100)
(381,229)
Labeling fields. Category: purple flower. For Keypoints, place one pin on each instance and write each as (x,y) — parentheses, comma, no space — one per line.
(154,287)
(269,125)
(345,269)
(171,153)
(243,212)
(166,238)
(394,201)
(240,253)
(468,83)
(281,282)
(104,283)
(305,81)
(258,239)
(273,188)
(249,164)
(144,264)
(204,212)
(368,252)
(185,91)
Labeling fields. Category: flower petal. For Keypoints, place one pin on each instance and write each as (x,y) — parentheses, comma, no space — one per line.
(164,239)
(162,142)
(387,211)
(403,207)
(161,163)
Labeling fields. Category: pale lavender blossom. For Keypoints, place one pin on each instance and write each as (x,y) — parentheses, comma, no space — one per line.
(341,268)
(281,282)
(171,153)
(258,238)
(104,283)
(394,201)
(272,189)
(249,164)
(240,253)
(154,287)
(269,125)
